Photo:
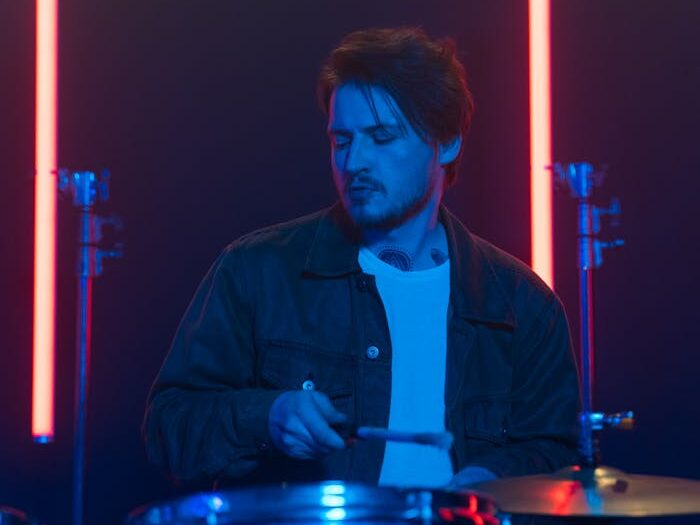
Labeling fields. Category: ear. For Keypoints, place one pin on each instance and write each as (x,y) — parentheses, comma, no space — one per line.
(448,151)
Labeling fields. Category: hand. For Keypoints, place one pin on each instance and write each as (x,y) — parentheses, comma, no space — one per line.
(299,424)
(469,476)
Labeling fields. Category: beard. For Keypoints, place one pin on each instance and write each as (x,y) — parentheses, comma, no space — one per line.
(380,212)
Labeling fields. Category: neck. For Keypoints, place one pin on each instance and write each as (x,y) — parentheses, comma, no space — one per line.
(418,243)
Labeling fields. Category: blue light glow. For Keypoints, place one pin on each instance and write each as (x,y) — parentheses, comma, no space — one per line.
(331,500)
(336,514)
(217,503)
(334,489)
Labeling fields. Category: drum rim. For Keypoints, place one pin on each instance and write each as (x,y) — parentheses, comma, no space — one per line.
(303,502)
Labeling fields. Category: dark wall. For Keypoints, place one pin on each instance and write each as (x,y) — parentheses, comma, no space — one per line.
(205,113)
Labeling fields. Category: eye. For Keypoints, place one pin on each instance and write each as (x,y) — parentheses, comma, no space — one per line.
(340,142)
(383,137)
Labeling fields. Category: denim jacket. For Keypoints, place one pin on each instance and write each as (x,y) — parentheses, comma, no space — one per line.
(289,304)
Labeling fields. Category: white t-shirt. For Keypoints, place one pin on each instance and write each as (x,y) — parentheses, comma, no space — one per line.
(416,310)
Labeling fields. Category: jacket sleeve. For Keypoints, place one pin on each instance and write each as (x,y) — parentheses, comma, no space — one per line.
(541,429)
(204,416)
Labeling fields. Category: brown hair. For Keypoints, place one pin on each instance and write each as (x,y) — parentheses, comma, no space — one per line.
(423,76)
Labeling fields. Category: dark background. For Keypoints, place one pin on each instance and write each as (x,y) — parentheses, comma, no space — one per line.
(205,113)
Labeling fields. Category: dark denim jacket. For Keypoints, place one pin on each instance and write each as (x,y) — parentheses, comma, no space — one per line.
(290,303)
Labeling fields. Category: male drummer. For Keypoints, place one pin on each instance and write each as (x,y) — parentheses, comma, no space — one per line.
(382,310)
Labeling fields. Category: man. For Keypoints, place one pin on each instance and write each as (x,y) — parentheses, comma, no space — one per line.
(382,310)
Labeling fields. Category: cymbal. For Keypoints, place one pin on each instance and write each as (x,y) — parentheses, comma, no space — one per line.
(600,492)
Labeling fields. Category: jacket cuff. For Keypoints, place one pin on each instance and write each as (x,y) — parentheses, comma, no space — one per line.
(253,421)
(246,431)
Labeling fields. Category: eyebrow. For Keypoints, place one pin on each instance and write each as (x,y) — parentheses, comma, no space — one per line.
(367,129)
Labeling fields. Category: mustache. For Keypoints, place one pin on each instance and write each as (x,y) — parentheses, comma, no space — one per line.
(363,182)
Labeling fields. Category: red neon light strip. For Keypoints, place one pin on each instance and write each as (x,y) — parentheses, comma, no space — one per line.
(45,221)
(540,142)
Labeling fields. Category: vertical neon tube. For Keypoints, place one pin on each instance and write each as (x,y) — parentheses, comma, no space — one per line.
(540,142)
(45,221)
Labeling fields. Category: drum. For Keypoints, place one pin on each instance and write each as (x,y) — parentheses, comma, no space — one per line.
(320,503)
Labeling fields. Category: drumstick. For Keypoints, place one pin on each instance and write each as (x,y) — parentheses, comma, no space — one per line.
(441,440)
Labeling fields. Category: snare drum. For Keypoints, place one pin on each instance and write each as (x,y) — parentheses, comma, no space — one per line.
(320,503)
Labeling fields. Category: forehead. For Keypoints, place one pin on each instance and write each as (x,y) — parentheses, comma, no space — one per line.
(361,106)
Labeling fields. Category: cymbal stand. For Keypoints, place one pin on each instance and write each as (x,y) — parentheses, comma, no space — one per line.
(86,189)
(581,179)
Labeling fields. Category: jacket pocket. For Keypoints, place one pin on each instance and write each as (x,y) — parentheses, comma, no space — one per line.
(294,366)
(487,419)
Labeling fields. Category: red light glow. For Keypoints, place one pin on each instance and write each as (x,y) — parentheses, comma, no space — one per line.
(44,221)
(540,142)
(563,497)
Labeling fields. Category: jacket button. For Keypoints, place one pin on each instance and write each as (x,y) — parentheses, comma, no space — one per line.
(308,385)
(372,352)
(362,283)
(263,445)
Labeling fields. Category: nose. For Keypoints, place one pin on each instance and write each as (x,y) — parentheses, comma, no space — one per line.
(356,157)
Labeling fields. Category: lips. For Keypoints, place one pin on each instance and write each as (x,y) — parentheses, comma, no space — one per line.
(361,189)
(359,184)
(360,194)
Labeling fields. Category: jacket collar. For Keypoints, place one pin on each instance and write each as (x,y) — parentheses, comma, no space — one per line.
(477,293)
(335,246)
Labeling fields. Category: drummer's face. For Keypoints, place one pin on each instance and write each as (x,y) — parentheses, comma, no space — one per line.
(385,173)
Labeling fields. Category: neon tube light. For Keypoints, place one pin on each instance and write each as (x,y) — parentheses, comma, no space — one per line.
(540,142)
(45,221)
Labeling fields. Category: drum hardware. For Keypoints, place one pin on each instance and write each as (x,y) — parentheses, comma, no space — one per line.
(590,490)
(86,190)
(581,179)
